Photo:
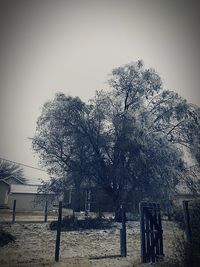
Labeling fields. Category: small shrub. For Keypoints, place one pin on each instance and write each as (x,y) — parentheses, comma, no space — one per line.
(71,223)
(68,223)
(194,244)
(5,237)
(178,216)
(95,223)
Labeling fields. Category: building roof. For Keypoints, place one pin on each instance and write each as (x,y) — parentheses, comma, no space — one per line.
(12,177)
(25,189)
(3,181)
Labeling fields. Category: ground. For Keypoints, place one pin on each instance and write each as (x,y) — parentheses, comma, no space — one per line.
(35,244)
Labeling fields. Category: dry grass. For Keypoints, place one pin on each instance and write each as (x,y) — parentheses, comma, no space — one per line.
(35,243)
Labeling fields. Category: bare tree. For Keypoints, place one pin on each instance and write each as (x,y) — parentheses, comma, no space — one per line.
(9,169)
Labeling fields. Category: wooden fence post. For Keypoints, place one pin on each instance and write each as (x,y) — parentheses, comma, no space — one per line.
(161,236)
(187,220)
(123,233)
(14,210)
(45,211)
(58,232)
(151,255)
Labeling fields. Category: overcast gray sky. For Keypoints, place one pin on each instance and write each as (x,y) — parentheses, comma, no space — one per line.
(72,45)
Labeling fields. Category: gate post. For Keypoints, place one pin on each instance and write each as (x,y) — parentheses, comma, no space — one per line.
(161,236)
(142,232)
(58,232)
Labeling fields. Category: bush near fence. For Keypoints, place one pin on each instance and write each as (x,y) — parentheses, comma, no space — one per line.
(189,249)
(71,223)
(5,237)
(194,244)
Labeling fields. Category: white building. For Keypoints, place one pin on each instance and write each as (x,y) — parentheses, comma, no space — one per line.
(28,197)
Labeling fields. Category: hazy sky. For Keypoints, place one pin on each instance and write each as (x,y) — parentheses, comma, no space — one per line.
(72,46)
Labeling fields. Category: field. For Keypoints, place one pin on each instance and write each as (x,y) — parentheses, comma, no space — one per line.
(35,244)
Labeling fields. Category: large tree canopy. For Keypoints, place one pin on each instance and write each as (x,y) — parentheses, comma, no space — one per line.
(123,140)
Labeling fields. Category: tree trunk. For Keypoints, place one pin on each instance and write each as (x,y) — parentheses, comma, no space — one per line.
(77,199)
(118,213)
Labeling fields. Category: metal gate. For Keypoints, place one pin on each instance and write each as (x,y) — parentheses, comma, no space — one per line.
(151,232)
